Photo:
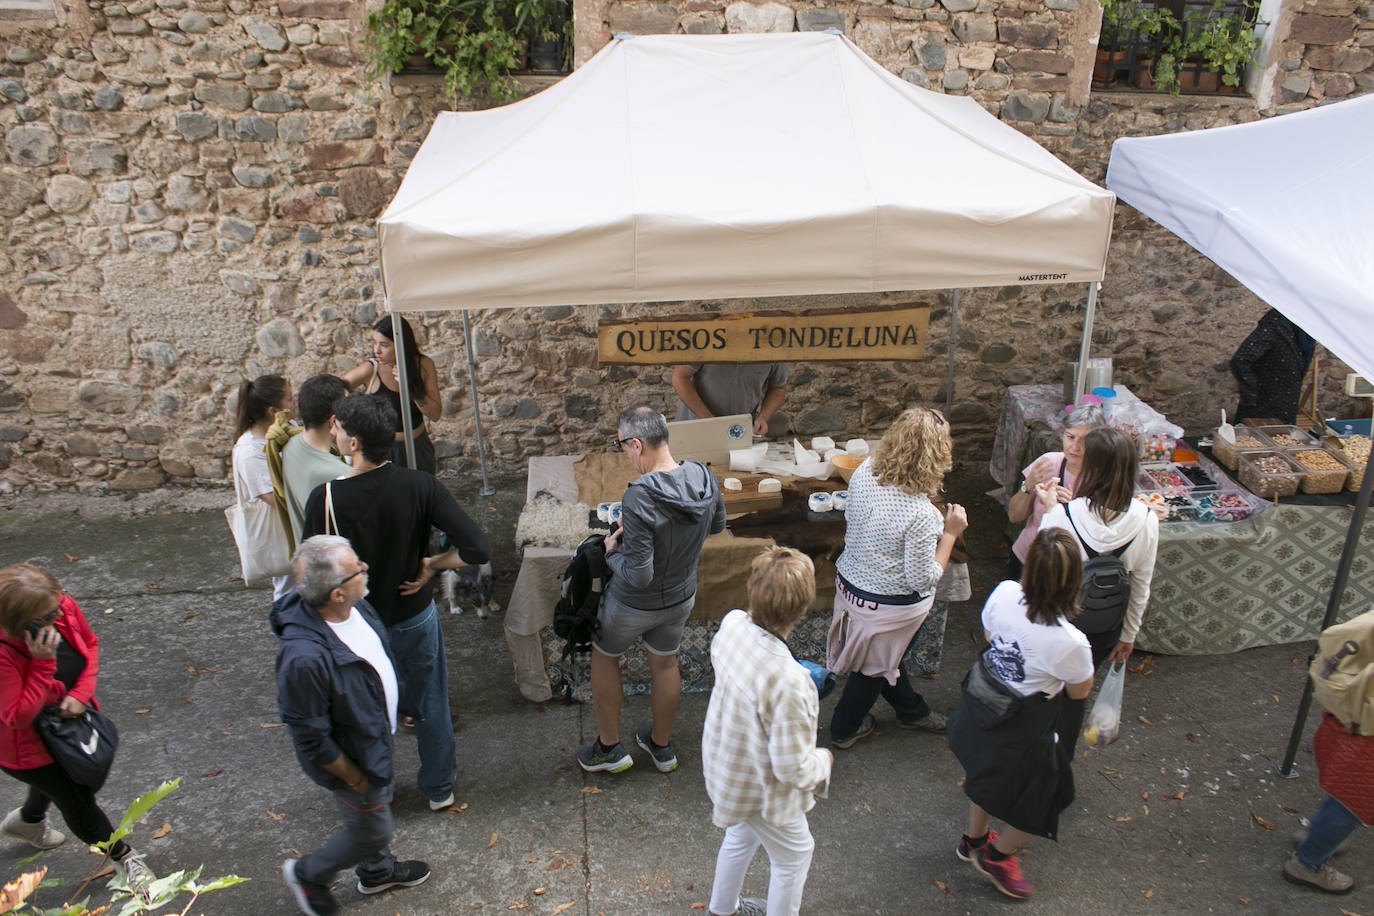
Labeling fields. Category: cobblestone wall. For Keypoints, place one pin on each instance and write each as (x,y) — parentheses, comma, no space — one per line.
(189,189)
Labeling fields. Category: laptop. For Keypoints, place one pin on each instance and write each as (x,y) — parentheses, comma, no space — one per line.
(710,441)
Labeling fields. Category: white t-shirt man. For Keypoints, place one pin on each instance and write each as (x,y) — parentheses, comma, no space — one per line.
(1030,657)
(363,641)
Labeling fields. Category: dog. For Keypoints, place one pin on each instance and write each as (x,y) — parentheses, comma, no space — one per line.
(469,585)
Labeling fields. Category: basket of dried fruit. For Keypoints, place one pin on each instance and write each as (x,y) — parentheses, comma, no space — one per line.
(1326,471)
(1355,451)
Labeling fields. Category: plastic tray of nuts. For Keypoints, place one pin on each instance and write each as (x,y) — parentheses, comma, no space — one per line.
(1247,439)
(1270,474)
(1326,471)
(1355,451)
(1287,437)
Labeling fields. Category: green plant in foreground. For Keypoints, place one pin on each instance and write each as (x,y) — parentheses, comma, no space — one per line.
(15,896)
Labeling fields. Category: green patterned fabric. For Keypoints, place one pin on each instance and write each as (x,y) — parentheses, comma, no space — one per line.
(1259,582)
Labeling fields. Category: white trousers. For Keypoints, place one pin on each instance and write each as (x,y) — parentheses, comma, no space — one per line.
(789,849)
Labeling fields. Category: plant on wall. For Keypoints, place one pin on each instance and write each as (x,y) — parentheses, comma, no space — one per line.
(1220,38)
(474,43)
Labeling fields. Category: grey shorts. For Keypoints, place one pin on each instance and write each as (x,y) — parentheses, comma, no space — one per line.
(620,624)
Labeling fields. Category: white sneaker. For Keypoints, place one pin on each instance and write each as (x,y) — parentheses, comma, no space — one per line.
(40,834)
(136,874)
(441,804)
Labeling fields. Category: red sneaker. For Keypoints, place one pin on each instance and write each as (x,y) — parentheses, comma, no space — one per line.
(965,850)
(1005,875)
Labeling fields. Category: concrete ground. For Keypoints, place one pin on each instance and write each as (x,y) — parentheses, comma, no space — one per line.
(1183,815)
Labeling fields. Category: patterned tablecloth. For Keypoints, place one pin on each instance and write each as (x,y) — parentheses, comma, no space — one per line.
(1259,582)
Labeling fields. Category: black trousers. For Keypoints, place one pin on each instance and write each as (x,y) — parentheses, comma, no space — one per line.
(51,784)
(861,692)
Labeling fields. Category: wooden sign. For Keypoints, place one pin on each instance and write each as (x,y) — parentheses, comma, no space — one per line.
(891,332)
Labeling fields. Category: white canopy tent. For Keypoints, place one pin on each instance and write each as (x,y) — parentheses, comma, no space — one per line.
(689,167)
(1283,205)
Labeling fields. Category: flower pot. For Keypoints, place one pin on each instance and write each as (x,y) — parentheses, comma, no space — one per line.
(1107,67)
(1201,80)
(1144,78)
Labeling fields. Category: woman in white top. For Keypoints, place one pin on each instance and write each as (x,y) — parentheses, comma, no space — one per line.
(1104,516)
(1017,769)
(896,548)
(1061,469)
(259,401)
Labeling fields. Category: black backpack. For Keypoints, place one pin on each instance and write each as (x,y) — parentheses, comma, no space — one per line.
(1106,590)
(584,581)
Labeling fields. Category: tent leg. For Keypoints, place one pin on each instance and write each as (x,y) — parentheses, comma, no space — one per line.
(403,383)
(1333,603)
(953,342)
(487,489)
(1085,345)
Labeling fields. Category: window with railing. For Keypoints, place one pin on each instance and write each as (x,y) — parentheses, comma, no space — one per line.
(1176,45)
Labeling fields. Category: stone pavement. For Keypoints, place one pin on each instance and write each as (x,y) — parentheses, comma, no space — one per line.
(1174,818)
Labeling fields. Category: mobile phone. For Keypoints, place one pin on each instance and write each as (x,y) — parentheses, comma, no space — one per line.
(33,629)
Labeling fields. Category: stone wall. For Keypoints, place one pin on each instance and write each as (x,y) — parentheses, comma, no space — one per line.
(190,186)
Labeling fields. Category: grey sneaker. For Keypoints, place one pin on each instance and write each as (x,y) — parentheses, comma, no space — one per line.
(1325,878)
(136,874)
(663,757)
(933,722)
(615,760)
(752,906)
(40,835)
(313,899)
(865,729)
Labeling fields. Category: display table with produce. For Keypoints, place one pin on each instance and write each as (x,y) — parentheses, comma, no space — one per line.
(1244,560)
(562,494)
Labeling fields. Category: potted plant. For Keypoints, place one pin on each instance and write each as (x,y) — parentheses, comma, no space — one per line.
(471,42)
(545,23)
(1217,40)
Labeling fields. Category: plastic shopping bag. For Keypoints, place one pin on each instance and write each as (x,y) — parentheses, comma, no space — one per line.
(1104,722)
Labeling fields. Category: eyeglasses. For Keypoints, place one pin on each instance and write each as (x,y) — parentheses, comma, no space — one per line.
(616,442)
(350,578)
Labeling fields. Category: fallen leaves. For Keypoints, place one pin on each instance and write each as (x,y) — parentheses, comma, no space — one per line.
(142,712)
(270,725)
(1150,893)
(70,558)
(458,809)
(561,907)
(492,842)
(556,864)
(942,887)
(17,891)
(590,790)
(208,773)
(274,815)
(1119,818)
(1262,822)
(162,831)
(1177,796)
(1145,721)
(152,585)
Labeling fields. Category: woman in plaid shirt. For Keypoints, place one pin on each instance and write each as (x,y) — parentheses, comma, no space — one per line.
(758,746)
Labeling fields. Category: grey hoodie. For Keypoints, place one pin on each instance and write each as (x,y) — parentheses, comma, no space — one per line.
(666,516)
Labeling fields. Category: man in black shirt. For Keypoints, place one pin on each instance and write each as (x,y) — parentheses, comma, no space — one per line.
(386,513)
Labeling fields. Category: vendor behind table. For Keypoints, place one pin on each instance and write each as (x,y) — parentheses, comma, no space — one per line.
(720,389)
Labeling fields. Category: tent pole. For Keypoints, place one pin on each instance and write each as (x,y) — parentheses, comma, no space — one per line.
(1086,344)
(487,488)
(403,383)
(953,340)
(1333,603)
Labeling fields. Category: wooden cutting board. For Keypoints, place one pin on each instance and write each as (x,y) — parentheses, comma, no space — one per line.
(748,499)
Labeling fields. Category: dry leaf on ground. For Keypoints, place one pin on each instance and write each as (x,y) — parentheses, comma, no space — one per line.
(1177,796)
(561,907)
(591,790)
(943,888)
(17,891)
(274,815)
(1262,822)
(491,842)
(162,831)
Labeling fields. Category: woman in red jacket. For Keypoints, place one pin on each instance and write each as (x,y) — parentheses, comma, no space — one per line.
(49,657)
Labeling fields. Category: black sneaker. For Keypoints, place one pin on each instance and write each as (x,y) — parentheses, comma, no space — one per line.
(614,760)
(403,874)
(663,757)
(313,899)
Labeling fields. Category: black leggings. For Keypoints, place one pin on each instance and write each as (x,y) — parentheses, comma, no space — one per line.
(76,802)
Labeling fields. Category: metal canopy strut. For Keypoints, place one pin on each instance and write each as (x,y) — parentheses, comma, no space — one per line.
(487,488)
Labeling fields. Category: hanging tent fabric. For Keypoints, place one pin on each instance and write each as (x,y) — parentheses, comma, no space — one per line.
(1283,205)
(689,167)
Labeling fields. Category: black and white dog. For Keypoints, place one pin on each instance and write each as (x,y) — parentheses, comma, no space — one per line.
(469,586)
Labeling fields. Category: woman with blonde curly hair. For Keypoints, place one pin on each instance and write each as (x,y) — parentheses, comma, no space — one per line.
(896,548)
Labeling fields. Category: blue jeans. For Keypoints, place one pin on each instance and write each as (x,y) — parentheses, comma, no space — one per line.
(418,645)
(1331,825)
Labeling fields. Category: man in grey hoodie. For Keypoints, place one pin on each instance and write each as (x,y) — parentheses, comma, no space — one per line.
(665,516)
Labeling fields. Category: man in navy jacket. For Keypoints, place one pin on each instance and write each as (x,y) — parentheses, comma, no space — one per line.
(337,693)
